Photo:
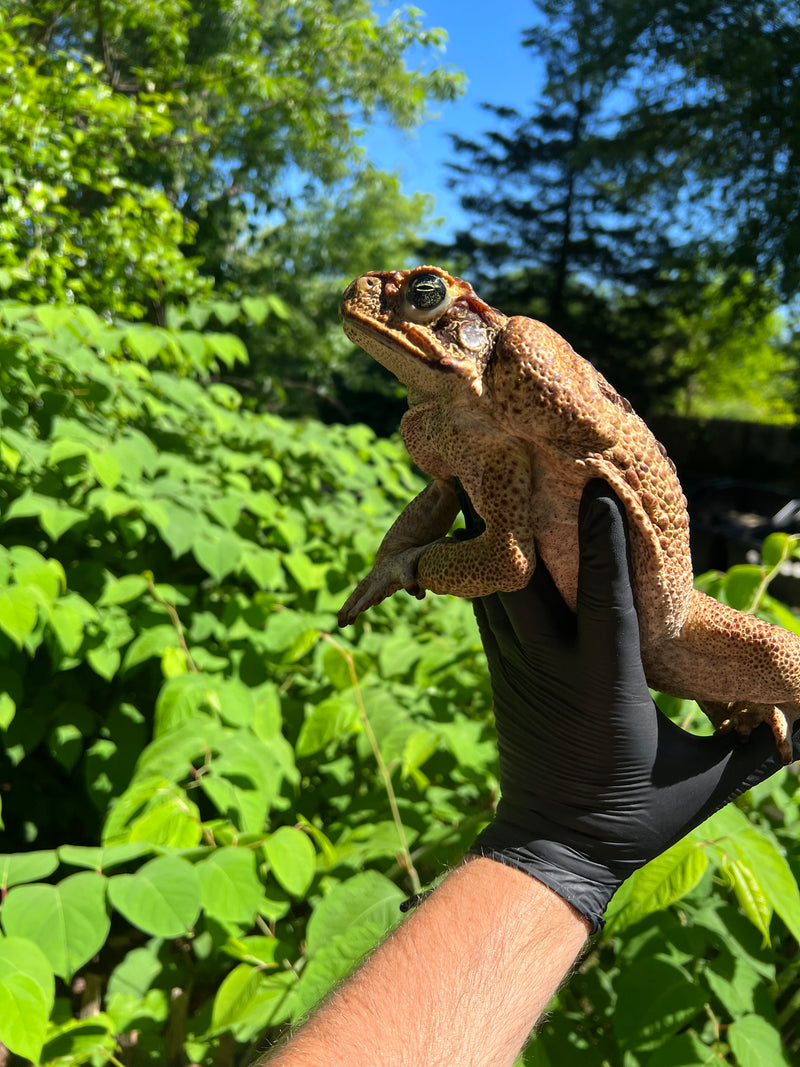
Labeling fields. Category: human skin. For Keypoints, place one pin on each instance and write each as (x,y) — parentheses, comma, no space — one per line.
(462,981)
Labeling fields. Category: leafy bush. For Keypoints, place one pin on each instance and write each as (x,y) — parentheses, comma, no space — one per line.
(186,753)
(213,801)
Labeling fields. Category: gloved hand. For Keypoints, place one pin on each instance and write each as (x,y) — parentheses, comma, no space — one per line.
(595,780)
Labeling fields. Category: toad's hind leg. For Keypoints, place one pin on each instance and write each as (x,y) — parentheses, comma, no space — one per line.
(740,669)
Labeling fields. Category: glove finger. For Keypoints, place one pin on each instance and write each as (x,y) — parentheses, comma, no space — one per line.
(607,620)
(538,613)
(493,625)
(473,523)
(696,776)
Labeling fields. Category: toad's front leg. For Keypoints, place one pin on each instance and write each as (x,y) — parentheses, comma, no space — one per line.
(503,557)
(420,525)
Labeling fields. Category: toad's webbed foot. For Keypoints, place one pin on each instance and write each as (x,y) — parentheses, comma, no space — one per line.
(744,717)
(386,577)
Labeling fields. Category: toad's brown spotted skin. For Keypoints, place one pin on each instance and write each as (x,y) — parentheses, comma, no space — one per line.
(506,405)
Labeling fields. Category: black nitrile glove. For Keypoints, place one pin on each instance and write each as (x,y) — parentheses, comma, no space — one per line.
(595,780)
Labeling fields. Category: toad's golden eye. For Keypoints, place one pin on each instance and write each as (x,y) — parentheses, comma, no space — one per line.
(426,291)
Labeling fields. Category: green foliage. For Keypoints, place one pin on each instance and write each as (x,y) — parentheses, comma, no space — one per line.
(74,220)
(704,130)
(213,802)
(735,360)
(149,150)
(171,674)
(644,206)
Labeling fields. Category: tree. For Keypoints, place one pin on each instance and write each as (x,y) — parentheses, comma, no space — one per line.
(613,230)
(152,150)
(77,224)
(707,131)
(558,239)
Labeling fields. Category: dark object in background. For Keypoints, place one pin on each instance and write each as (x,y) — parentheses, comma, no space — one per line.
(729,521)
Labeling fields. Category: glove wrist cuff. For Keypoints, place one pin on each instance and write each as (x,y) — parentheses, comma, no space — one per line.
(583,884)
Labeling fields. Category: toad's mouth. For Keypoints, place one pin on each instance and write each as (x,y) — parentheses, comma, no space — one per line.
(392,347)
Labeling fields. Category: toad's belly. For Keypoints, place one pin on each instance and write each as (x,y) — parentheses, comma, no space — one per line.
(662,583)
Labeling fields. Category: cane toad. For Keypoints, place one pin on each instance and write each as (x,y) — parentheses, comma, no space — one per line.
(506,406)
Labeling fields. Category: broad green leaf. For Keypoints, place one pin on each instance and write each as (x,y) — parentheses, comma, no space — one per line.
(684,1050)
(102,858)
(306,573)
(180,528)
(244,780)
(332,720)
(67,623)
(229,885)
(150,643)
(368,896)
(285,629)
(750,893)
(135,974)
(58,517)
(80,1041)
(732,834)
(68,921)
(30,568)
(107,468)
(218,552)
(21,867)
(154,810)
(292,859)
(337,670)
(170,820)
(146,341)
(741,583)
(264,567)
(656,999)
(162,897)
(227,311)
(760,853)
(228,347)
(27,992)
(334,961)
(256,308)
(104,661)
(18,613)
(418,749)
(123,590)
(360,844)
(249,999)
(775,549)
(657,885)
(8,710)
(735,984)
(755,1043)
(254,949)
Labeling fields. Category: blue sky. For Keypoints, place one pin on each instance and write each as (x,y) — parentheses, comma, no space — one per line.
(484,41)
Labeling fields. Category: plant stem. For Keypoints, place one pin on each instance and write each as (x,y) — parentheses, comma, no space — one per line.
(176,622)
(763,585)
(408,863)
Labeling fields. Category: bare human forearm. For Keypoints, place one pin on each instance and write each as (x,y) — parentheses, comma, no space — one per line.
(462,981)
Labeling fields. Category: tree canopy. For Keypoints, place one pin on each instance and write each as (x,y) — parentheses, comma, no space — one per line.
(651,178)
(152,149)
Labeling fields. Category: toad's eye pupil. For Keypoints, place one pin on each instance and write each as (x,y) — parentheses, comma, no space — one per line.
(426,291)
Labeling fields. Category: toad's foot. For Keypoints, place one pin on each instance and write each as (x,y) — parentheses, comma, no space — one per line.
(386,577)
(743,717)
